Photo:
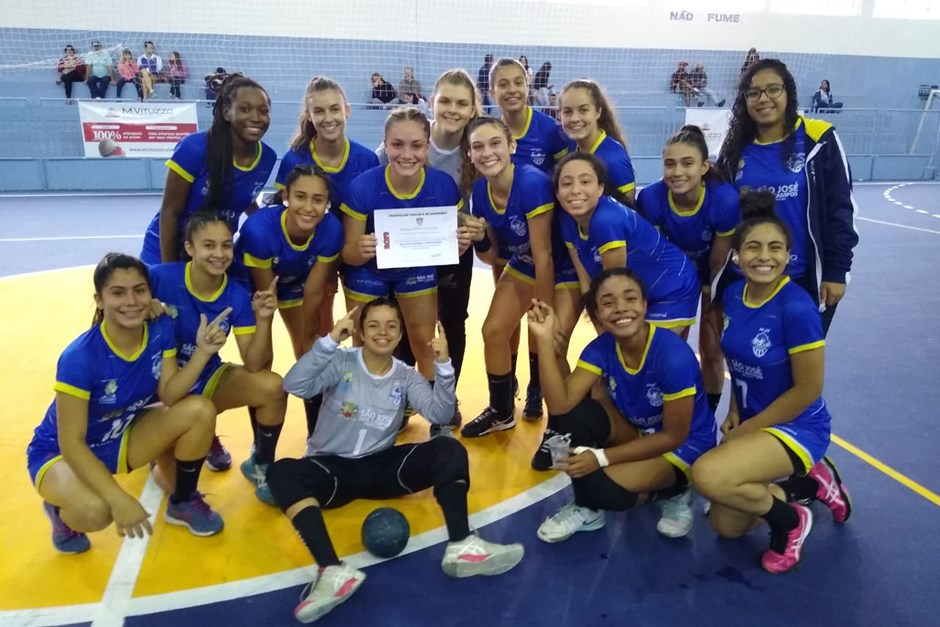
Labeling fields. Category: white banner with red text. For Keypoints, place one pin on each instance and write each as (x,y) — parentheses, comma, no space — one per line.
(135,129)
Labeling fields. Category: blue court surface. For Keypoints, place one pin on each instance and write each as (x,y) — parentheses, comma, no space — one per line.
(879,569)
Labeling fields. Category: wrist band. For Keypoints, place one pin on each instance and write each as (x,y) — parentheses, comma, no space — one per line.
(599,454)
(483,245)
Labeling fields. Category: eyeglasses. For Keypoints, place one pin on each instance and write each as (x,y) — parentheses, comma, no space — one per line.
(772,91)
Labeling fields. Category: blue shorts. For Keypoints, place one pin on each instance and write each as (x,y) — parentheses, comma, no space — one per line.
(684,456)
(362,284)
(522,267)
(41,456)
(676,309)
(808,441)
(150,253)
(209,380)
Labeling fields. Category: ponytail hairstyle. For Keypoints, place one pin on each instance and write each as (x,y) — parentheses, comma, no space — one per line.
(742,129)
(106,267)
(408,114)
(468,173)
(507,62)
(306,133)
(220,153)
(201,219)
(758,207)
(692,135)
(607,121)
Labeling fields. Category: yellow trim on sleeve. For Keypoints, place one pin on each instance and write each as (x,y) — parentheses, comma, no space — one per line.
(725,233)
(352,213)
(186,176)
(540,210)
(569,245)
(802,348)
(244,330)
(460,204)
(680,394)
(253,262)
(71,390)
(589,367)
(628,187)
(328,259)
(611,246)
(561,153)
(169,353)
(280,186)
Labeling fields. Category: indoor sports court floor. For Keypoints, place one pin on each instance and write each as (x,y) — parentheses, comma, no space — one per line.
(881,568)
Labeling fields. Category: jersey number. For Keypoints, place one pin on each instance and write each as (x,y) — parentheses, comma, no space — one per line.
(117,428)
(743,385)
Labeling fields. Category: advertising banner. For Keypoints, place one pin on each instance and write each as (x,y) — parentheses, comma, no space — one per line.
(135,129)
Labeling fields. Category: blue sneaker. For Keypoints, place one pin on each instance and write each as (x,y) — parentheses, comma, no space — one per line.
(194,514)
(64,538)
(257,474)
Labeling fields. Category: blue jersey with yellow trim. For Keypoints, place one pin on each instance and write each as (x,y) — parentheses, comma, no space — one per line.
(189,161)
(717,214)
(758,340)
(373,190)
(663,268)
(356,160)
(531,194)
(171,284)
(620,174)
(762,166)
(667,371)
(263,243)
(116,387)
(541,143)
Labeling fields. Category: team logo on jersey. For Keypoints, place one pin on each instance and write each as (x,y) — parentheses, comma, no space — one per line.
(171,310)
(761,343)
(612,387)
(654,395)
(259,186)
(724,324)
(518,226)
(796,162)
(110,392)
(597,255)
(740,173)
(275,261)
(395,395)
(349,410)
(707,235)
(156,365)
(538,156)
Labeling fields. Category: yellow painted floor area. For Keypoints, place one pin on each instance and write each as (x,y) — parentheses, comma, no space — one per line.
(43,312)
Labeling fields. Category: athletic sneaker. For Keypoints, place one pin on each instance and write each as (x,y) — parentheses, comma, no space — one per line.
(333,585)
(258,475)
(542,459)
(569,520)
(448,429)
(475,556)
(786,549)
(675,515)
(830,489)
(218,458)
(64,538)
(194,514)
(533,403)
(490,421)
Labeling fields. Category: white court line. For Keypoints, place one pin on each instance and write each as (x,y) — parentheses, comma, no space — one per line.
(900,226)
(38,272)
(248,587)
(81,195)
(67,238)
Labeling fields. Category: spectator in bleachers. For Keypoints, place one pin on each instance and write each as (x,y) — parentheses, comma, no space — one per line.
(382,91)
(529,77)
(71,70)
(552,109)
(751,58)
(483,81)
(175,74)
(822,99)
(681,83)
(150,68)
(127,73)
(100,71)
(540,84)
(409,86)
(214,82)
(699,80)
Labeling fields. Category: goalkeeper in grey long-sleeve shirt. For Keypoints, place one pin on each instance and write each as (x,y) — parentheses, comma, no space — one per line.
(352,452)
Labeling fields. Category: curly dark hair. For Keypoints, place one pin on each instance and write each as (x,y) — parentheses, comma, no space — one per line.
(742,129)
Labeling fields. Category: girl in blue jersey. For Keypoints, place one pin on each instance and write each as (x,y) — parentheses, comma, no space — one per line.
(771,146)
(518,205)
(201,288)
(221,170)
(121,402)
(601,233)
(778,424)
(590,120)
(353,453)
(406,182)
(697,212)
(298,243)
(655,389)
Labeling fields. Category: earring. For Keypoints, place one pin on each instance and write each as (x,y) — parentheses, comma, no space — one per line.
(734,258)
(284,202)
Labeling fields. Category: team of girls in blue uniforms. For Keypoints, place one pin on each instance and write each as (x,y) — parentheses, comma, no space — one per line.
(145,383)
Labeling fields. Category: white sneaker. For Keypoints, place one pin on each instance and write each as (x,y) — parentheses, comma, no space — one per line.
(333,585)
(475,556)
(675,515)
(569,520)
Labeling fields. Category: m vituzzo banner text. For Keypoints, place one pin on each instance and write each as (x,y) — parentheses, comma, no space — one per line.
(135,129)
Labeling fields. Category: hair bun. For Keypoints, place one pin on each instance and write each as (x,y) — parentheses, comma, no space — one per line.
(692,128)
(758,204)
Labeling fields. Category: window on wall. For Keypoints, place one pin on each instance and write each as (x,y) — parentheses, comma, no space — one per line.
(817,7)
(907,9)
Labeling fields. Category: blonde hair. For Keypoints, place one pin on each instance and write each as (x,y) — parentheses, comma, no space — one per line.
(408,114)
(306,132)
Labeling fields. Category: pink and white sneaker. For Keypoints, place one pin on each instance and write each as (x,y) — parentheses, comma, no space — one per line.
(333,585)
(786,550)
(830,489)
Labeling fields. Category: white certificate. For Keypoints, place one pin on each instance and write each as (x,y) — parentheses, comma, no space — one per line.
(410,238)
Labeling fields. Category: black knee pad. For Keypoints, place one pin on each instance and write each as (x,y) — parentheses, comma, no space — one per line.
(587,423)
(450,462)
(598,491)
